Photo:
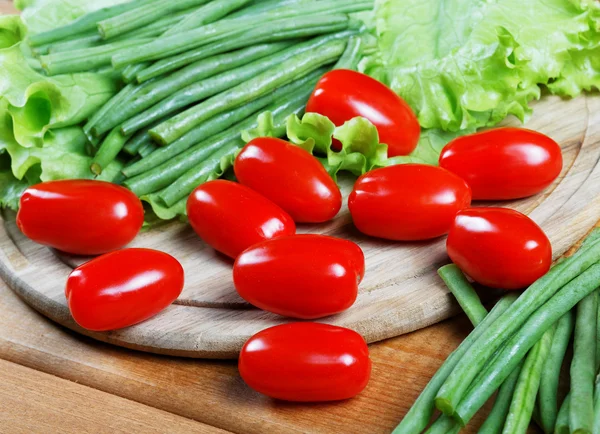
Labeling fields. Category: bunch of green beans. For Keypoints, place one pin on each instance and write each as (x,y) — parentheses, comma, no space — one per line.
(524,362)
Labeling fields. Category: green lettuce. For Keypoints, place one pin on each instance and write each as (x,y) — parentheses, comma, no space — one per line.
(464,64)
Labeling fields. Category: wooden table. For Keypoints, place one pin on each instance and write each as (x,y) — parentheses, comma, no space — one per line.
(54,381)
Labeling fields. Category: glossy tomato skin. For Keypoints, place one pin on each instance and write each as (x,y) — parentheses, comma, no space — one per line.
(407,202)
(499,247)
(231,217)
(504,163)
(82,217)
(306,362)
(343,94)
(302,276)
(291,177)
(123,288)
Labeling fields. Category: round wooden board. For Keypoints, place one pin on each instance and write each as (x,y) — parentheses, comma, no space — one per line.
(401,291)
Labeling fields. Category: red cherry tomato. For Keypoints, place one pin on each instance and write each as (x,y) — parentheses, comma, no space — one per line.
(302,276)
(230,217)
(306,362)
(123,288)
(291,177)
(407,202)
(82,217)
(505,163)
(499,247)
(343,94)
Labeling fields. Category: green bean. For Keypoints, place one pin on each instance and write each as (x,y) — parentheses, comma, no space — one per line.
(547,398)
(442,425)
(106,108)
(562,420)
(135,143)
(143,16)
(129,72)
(455,387)
(299,66)
(258,7)
(158,27)
(418,416)
(597,405)
(495,372)
(163,175)
(464,293)
(86,59)
(75,44)
(523,401)
(352,54)
(497,417)
(85,23)
(213,11)
(181,42)
(108,151)
(216,84)
(169,85)
(253,36)
(581,408)
(146,149)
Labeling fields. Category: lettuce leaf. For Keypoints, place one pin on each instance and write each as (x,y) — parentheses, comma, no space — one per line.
(464,64)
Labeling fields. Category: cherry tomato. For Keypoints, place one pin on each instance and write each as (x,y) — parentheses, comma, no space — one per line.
(505,163)
(306,362)
(82,217)
(230,217)
(499,247)
(343,94)
(407,202)
(302,276)
(291,177)
(123,288)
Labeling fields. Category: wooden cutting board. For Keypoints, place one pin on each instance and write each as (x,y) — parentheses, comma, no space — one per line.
(401,291)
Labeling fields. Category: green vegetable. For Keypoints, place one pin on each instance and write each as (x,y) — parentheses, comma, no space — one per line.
(192,80)
(442,425)
(216,84)
(455,387)
(463,63)
(495,421)
(464,293)
(146,149)
(562,420)
(490,378)
(263,83)
(107,108)
(67,11)
(547,398)
(253,36)
(583,366)
(352,54)
(184,41)
(526,389)
(108,151)
(418,416)
(134,144)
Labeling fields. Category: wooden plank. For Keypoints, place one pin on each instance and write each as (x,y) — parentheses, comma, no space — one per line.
(212,391)
(33,402)
(7,7)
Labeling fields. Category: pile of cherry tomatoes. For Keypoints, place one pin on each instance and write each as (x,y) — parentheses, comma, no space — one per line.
(306,277)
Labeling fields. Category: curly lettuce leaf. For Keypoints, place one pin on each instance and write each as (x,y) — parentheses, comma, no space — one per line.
(469,63)
(38,103)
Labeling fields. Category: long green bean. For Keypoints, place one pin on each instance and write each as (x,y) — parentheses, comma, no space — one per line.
(253,36)
(442,425)
(219,83)
(464,293)
(142,16)
(419,414)
(181,42)
(74,44)
(108,151)
(298,66)
(495,372)
(455,387)
(134,144)
(562,420)
(547,398)
(258,7)
(107,108)
(195,73)
(352,54)
(85,23)
(523,401)
(147,149)
(583,366)
(495,421)
(596,428)
(86,59)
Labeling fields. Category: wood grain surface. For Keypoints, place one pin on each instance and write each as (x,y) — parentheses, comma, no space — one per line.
(401,291)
